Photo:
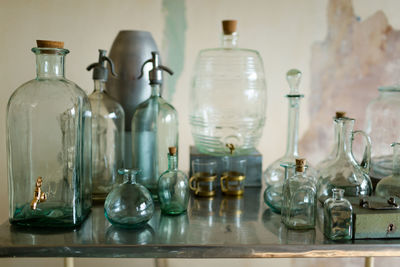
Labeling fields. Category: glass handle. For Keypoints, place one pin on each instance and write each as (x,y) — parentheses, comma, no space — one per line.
(191,180)
(366,160)
(223,180)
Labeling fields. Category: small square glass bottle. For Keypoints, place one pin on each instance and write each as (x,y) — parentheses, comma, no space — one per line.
(338,216)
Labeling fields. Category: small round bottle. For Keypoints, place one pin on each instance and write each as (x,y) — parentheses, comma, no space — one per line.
(338,216)
(129,205)
(173,187)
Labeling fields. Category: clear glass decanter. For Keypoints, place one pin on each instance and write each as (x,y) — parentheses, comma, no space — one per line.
(344,171)
(338,216)
(299,205)
(49,146)
(332,155)
(154,130)
(274,175)
(108,126)
(390,185)
(228,96)
(173,187)
(129,205)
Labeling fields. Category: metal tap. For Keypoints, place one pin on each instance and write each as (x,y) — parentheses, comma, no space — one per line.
(38,195)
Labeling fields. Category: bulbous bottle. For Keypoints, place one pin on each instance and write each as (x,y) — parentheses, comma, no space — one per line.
(154,129)
(129,205)
(49,146)
(344,172)
(390,185)
(338,216)
(108,126)
(299,205)
(228,97)
(173,187)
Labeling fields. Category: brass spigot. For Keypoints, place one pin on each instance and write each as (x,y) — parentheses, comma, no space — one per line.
(38,195)
(231,148)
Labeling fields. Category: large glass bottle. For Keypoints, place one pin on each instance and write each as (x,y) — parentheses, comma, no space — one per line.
(274,175)
(299,205)
(108,126)
(228,96)
(154,130)
(390,185)
(49,146)
(344,171)
(173,187)
(338,216)
(129,205)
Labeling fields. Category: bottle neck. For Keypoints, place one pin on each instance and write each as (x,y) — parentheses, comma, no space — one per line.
(396,159)
(337,194)
(229,40)
(99,86)
(155,90)
(172,162)
(344,131)
(49,66)
(293,127)
(130,178)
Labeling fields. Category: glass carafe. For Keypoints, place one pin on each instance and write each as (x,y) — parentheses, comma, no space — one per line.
(338,216)
(154,130)
(274,175)
(382,124)
(299,204)
(228,97)
(173,187)
(129,205)
(108,126)
(344,171)
(390,185)
(49,146)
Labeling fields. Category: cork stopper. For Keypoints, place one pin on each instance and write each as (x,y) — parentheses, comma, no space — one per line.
(340,114)
(300,165)
(49,44)
(229,26)
(172,150)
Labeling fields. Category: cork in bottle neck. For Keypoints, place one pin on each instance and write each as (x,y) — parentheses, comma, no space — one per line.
(300,165)
(340,114)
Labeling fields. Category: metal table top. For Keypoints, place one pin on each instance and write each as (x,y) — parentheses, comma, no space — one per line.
(222,227)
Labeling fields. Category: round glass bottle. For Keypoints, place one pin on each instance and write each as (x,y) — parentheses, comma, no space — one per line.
(108,126)
(228,96)
(49,146)
(344,171)
(390,185)
(338,216)
(173,187)
(129,205)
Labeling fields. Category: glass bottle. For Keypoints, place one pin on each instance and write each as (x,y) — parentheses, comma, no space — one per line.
(228,96)
(274,175)
(390,185)
(129,205)
(173,187)
(338,216)
(49,146)
(154,130)
(382,124)
(332,155)
(108,124)
(299,205)
(344,171)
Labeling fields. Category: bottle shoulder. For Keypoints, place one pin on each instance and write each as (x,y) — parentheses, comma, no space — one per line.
(104,104)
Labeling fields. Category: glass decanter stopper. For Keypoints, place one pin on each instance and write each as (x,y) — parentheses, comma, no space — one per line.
(129,205)
(154,129)
(338,216)
(274,175)
(344,171)
(173,187)
(108,126)
(299,199)
(332,155)
(390,185)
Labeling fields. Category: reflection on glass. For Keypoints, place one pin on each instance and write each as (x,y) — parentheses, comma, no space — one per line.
(231,209)
(173,229)
(116,235)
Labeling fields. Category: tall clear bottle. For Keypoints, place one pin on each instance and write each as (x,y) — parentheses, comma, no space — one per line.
(49,146)
(154,130)
(274,175)
(390,185)
(108,126)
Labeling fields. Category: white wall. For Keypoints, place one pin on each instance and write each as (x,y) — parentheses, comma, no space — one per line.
(282,31)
